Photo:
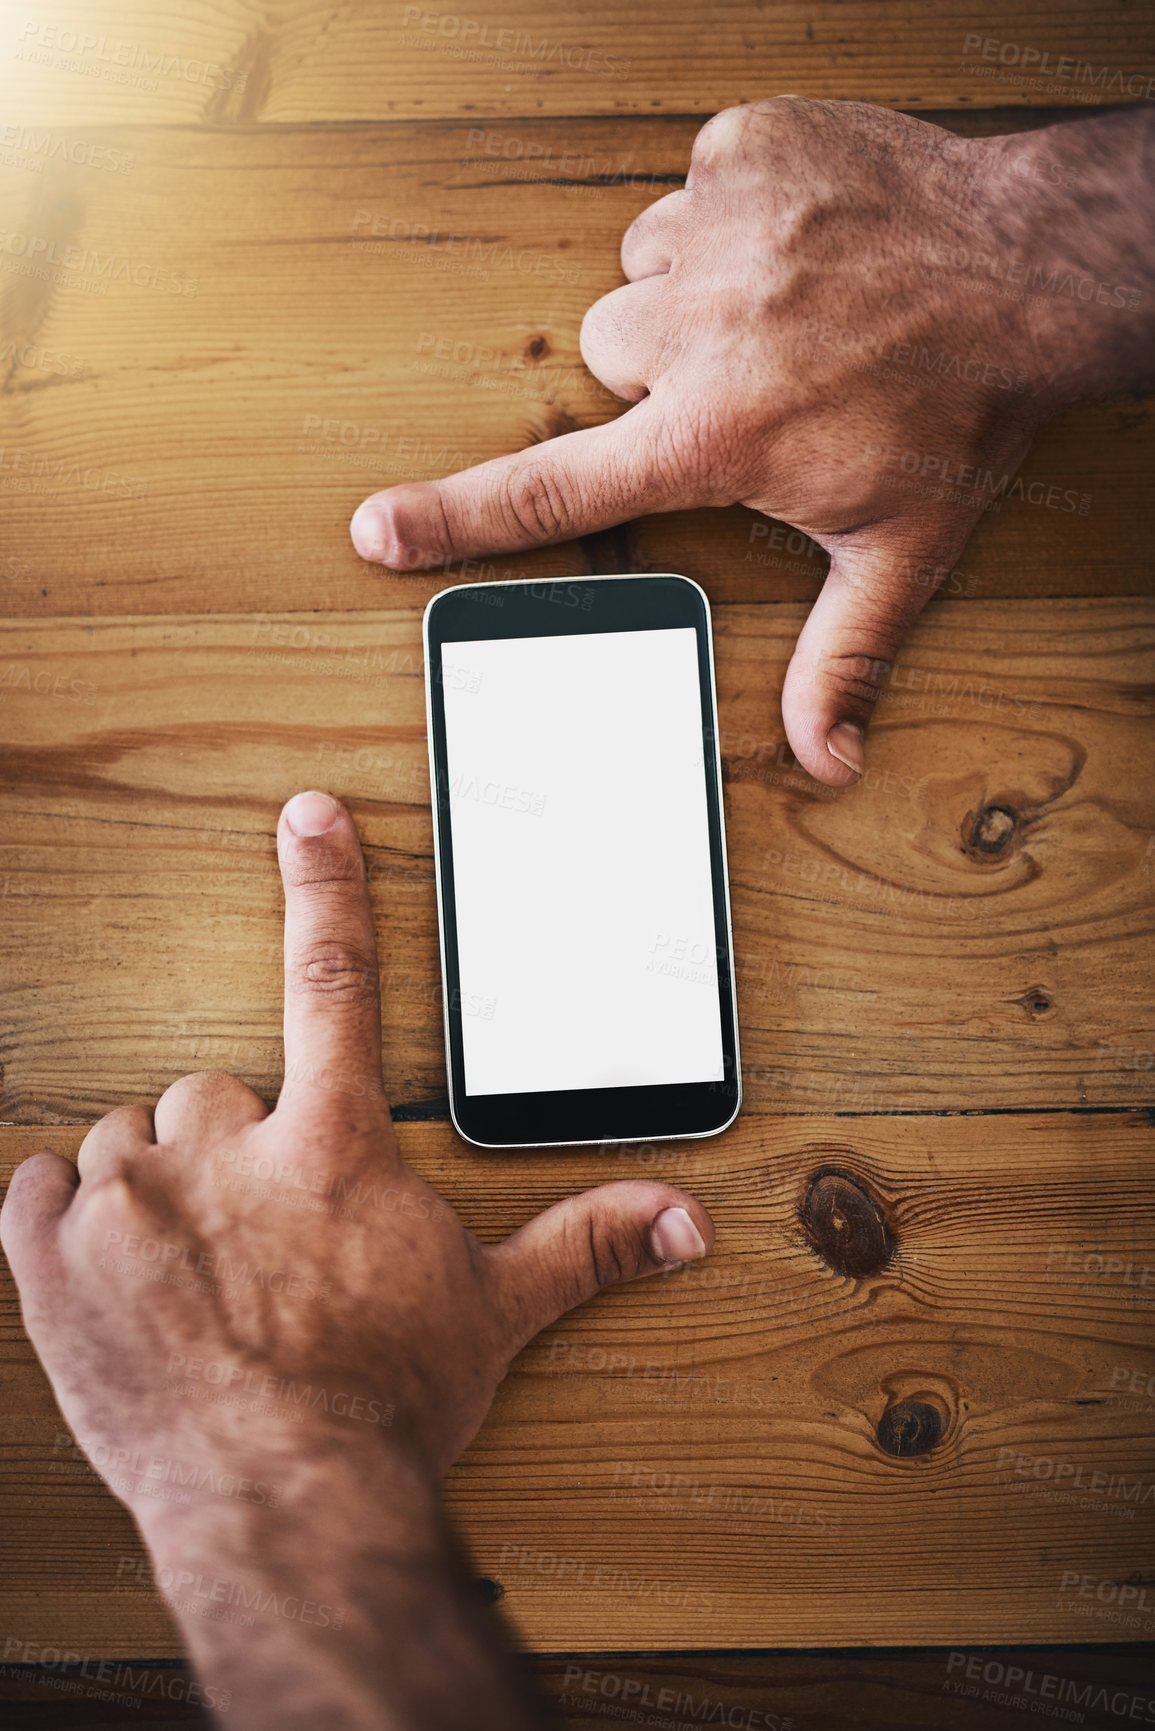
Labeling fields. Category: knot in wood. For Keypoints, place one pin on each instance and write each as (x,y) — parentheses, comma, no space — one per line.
(909,1427)
(845,1225)
(1035,1001)
(992,830)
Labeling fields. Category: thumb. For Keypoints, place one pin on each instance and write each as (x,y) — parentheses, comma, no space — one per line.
(554,491)
(569,1252)
(871,597)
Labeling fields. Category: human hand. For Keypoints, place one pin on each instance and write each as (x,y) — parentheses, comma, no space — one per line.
(208,1260)
(783,319)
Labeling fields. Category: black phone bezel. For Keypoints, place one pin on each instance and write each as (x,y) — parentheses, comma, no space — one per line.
(564,607)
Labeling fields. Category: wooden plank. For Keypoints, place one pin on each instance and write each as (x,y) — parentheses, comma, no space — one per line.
(88,65)
(695,1461)
(192,438)
(942,1688)
(866,1691)
(970,925)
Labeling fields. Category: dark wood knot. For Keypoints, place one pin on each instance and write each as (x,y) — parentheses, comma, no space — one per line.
(1036,1001)
(989,832)
(536,348)
(909,1427)
(845,1225)
(489,1591)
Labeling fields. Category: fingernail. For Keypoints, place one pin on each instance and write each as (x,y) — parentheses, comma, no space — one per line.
(675,1237)
(844,741)
(368,532)
(311,813)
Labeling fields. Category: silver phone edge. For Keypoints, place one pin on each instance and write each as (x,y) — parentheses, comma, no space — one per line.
(608,1141)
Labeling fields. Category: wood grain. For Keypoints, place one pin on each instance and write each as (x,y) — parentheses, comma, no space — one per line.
(318,250)
(306,61)
(694,1460)
(892,1690)
(972,925)
(177,434)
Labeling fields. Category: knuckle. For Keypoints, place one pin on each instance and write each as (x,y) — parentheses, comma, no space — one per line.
(336,971)
(721,134)
(534,501)
(205,1089)
(634,237)
(604,333)
(788,108)
(614,1253)
(199,1082)
(862,676)
(330,871)
(110,1202)
(597,322)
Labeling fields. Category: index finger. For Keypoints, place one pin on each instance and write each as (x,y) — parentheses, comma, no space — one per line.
(332,988)
(555,491)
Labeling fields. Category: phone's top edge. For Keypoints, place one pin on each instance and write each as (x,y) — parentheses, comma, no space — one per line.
(574,577)
(577,577)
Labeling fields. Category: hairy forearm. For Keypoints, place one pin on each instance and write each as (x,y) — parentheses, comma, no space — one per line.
(1076,217)
(345,1605)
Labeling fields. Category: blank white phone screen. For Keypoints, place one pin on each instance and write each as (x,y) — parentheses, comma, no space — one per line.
(581,862)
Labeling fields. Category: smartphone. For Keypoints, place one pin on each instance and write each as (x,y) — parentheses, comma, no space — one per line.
(580,854)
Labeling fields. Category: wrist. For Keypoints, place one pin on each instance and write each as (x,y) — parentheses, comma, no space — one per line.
(346,1605)
(1070,207)
(248,1500)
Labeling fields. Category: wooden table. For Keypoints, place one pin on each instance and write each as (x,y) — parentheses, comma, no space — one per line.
(285,256)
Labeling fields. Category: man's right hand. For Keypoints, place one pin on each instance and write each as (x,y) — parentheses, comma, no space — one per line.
(126,1261)
(272,1337)
(838,322)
